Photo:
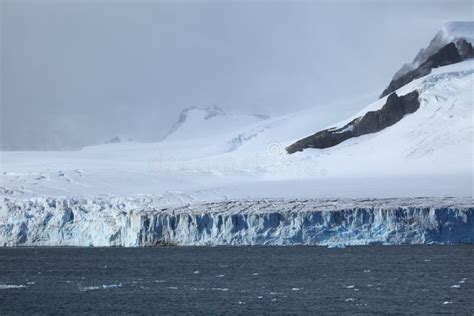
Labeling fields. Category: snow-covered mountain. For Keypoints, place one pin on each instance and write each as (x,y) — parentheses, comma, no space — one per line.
(435,142)
(435,139)
(438,104)
(210,155)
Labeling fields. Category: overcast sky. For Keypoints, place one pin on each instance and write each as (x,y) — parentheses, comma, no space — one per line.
(80,72)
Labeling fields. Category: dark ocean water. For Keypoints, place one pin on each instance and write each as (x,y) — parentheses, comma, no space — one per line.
(238,280)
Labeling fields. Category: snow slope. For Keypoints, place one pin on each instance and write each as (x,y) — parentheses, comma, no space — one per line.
(427,153)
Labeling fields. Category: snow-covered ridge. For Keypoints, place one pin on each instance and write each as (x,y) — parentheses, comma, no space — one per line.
(143,222)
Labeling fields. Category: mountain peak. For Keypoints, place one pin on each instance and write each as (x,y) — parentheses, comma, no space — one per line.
(205,112)
(208,112)
(450,32)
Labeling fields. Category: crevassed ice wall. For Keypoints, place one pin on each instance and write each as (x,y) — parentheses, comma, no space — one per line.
(130,223)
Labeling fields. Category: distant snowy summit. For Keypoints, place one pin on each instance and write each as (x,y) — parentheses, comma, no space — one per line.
(197,122)
(452,45)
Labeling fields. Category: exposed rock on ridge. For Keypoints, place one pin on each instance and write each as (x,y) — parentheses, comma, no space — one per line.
(451,53)
(394,110)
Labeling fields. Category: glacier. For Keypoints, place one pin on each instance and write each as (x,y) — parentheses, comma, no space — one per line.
(141,221)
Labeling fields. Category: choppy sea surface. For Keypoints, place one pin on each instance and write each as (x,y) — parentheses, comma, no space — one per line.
(238,280)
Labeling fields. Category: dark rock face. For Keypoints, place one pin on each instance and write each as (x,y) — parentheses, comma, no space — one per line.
(452,53)
(394,110)
(464,48)
(113,140)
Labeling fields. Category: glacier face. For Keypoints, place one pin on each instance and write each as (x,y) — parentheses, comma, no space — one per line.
(135,222)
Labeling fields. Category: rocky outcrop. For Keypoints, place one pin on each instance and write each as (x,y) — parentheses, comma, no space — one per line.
(394,110)
(465,49)
(113,140)
(451,53)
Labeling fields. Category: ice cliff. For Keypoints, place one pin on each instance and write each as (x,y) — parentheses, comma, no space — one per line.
(141,222)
